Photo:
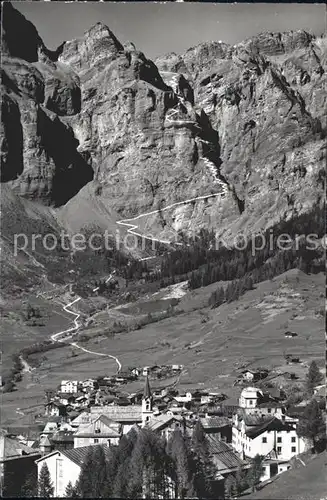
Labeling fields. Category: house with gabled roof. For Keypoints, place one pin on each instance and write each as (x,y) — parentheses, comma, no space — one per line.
(220,427)
(268,436)
(253,375)
(55,409)
(50,428)
(127,416)
(17,463)
(224,457)
(69,386)
(65,466)
(166,424)
(101,430)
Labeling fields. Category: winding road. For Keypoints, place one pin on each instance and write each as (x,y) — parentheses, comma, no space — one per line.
(63,334)
(132,227)
(208,163)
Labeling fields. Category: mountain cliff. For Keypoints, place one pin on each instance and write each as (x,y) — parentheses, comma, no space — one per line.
(95,132)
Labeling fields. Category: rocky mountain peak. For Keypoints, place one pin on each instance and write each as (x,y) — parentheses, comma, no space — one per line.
(274,44)
(26,45)
(97,44)
(236,130)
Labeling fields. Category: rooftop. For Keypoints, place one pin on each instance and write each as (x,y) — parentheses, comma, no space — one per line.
(63,437)
(254,419)
(110,428)
(157,423)
(119,413)
(272,424)
(78,455)
(223,454)
(210,422)
(11,448)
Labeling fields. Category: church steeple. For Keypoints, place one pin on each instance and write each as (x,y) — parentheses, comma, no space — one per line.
(147,411)
(147,390)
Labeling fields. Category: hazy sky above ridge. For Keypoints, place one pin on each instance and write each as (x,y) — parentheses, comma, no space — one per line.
(159,28)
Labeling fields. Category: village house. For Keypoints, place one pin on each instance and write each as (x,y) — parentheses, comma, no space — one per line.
(101,430)
(185,398)
(270,408)
(125,415)
(88,385)
(62,440)
(253,375)
(146,371)
(65,398)
(254,400)
(289,334)
(69,386)
(226,407)
(65,466)
(268,436)
(55,409)
(82,418)
(206,398)
(249,398)
(81,401)
(49,428)
(17,463)
(166,424)
(53,426)
(136,372)
(180,410)
(220,427)
(125,376)
(224,457)
(59,440)
(102,399)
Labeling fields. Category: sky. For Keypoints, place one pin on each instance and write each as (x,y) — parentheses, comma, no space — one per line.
(159,28)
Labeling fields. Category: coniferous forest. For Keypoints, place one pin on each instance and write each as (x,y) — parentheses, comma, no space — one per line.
(147,465)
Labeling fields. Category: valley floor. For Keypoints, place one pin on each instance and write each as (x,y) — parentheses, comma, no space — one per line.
(213,345)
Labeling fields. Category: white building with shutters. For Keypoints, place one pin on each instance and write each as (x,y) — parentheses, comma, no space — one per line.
(65,466)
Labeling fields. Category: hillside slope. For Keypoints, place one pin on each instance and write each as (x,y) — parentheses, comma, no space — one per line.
(213,345)
(303,483)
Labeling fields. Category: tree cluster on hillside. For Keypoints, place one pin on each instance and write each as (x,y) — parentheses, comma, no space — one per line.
(244,479)
(46,345)
(105,286)
(313,378)
(209,264)
(201,263)
(32,312)
(145,465)
(312,426)
(14,375)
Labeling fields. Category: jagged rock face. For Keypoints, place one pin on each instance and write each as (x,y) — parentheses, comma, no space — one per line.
(11,140)
(38,150)
(265,97)
(247,119)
